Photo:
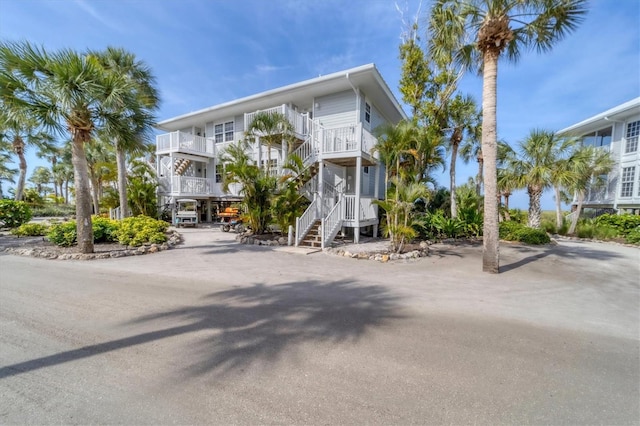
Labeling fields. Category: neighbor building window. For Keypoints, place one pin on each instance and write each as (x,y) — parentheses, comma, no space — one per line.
(367,112)
(600,138)
(223,132)
(628,177)
(633,130)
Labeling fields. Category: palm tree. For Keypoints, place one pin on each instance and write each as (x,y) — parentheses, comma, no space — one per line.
(471,149)
(141,117)
(66,91)
(507,178)
(535,166)
(589,165)
(463,120)
(272,128)
(6,173)
(479,32)
(23,131)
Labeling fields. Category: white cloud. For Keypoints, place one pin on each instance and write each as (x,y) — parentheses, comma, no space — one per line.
(99,17)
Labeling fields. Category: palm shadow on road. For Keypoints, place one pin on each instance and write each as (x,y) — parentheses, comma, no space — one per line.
(252,324)
(566,252)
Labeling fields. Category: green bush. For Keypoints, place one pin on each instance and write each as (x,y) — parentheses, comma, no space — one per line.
(514,231)
(53,210)
(63,234)
(623,223)
(104,230)
(14,213)
(136,231)
(30,230)
(633,236)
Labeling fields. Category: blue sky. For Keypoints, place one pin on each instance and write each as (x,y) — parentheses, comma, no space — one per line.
(204,52)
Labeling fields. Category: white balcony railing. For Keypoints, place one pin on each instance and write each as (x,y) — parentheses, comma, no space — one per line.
(297,120)
(186,185)
(332,223)
(306,221)
(184,142)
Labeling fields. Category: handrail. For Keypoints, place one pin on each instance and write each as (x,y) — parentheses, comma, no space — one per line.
(332,222)
(305,222)
(181,141)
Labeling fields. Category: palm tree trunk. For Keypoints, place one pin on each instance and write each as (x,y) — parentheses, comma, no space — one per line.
(479,175)
(452,178)
(534,207)
(83,196)
(559,220)
(507,215)
(490,239)
(576,214)
(95,199)
(18,148)
(121,162)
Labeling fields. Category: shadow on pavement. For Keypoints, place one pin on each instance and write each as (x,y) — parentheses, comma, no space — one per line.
(253,324)
(561,251)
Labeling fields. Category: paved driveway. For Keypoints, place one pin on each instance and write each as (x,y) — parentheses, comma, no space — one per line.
(216,332)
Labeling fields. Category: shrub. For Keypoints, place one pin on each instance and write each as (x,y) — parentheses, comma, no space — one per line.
(63,234)
(104,230)
(136,231)
(14,213)
(51,211)
(633,236)
(30,230)
(622,223)
(513,231)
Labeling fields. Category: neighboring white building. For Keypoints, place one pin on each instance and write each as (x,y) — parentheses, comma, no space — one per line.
(616,130)
(334,117)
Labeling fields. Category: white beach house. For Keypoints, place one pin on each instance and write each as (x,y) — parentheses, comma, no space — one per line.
(616,130)
(334,117)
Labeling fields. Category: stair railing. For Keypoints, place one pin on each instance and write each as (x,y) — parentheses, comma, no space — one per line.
(305,222)
(332,223)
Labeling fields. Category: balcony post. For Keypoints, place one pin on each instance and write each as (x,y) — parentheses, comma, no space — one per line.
(356,231)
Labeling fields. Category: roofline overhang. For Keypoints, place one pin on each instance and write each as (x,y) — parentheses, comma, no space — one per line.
(621,111)
(346,74)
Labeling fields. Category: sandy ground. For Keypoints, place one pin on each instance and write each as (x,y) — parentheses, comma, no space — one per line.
(216,332)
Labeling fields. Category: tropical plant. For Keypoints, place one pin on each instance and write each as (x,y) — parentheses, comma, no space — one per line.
(14,213)
(7,173)
(401,215)
(141,189)
(272,128)
(40,177)
(288,203)
(30,230)
(589,167)
(67,91)
(479,32)
(140,114)
(256,185)
(535,166)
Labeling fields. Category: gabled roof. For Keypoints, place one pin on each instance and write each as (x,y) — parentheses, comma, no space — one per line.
(365,77)
(618,113)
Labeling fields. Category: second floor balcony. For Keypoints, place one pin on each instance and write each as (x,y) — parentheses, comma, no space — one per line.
(185,143)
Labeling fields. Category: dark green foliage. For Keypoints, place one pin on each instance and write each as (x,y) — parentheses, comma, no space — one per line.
(104,230)
(623,223)
(514,231)
(63,234)
(30,230)
(139,230)
(54,211)
(14,213)
(518,215)
(633,237)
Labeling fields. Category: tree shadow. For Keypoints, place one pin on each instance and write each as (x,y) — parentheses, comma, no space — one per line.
(253,324)
(565,252)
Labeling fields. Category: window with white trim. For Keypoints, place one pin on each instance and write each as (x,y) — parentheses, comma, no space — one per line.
(367,112)
(628,178)
(633,130)
(223,132)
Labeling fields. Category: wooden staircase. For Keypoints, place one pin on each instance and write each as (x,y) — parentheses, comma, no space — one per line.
(313,237)
(181,165)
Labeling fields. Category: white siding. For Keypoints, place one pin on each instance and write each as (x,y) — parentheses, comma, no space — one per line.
(336,110)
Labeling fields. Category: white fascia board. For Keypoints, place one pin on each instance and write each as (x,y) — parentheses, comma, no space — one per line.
(621,111)
(241,105)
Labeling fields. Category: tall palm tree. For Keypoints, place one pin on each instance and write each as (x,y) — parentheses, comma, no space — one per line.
(141,117)
(589,166)
(479,32)
(6,173)
(272,128)
(464,119)
(471,149)
(507,177)
(23,131)
(535,166)
(66,91)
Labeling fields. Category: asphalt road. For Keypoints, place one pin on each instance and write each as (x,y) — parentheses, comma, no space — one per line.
(218,333)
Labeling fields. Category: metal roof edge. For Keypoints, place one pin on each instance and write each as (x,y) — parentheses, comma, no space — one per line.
(617,110)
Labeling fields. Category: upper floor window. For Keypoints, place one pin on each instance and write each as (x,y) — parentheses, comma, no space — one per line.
(367,112)
(600,138)
(223,132)
(633,130)
(628,177)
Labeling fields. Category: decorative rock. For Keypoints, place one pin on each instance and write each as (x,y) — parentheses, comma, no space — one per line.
(394,256)
(384,258)
(283,241)
(153,249)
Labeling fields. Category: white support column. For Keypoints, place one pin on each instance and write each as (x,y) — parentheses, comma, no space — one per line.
(209,210)
(259,154)
(376,194)
(320,203)
(356,230)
